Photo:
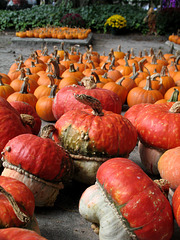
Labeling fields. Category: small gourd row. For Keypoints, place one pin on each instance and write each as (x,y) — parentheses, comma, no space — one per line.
(55,32)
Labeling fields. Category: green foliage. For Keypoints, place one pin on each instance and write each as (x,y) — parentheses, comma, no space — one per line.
(94,17)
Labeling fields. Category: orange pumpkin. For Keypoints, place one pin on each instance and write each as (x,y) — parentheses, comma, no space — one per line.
(80,65)
(72,72)
(128,82)
(169,167)
(153,66)
(15,65)
(125,69)
(155,84)
(174,97)
(44,106)
(5,89)
(68,81)
(143,95)
(117,88)
(114,74)
(5,78)
(66,61)
(15,73)
(23,95)
(170,91)
(119,54)
(44,90)
(16,84)
(31,75)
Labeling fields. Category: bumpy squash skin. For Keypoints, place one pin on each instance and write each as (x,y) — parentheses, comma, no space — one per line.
(142,209)
(10,123)
(38,156)
(81,132)
(40,164)
(92,139)
(26,204)
(110,101)
(19,233)
(26,108)
(133,112)
(176,205)
(159,128)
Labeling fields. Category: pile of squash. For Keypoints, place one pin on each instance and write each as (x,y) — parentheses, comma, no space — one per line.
(80,97)
(55,32)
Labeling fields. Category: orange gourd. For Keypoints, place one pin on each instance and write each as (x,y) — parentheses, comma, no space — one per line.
(124,69)
(169,167)
(5,89)
(155,83)
(44,106)
(143,95)
(5,78)
(153,66)
(81,66)
(23,95)
(128,82)
(16,84)
(72,72)
(119,54)
(117,88)
(173,98)
(114,74)
(44,90)
(68,81)
(170,91)
(15,73)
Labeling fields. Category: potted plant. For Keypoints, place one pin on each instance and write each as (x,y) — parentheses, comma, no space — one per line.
(115,24)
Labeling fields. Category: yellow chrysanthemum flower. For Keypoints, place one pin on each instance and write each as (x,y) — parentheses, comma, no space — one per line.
(116,21)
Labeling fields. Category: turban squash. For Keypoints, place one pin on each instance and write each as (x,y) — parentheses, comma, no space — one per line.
(91,137)
(17,205)
(158,130)
(125,203)
(39,163)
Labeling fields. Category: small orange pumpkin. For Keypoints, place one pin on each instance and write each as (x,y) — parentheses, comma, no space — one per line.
(5,89)
(143,95)
(169,167)
(23,95)
(44,106)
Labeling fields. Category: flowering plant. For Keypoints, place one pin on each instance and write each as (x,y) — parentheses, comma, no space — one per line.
(116,21)
(72,20)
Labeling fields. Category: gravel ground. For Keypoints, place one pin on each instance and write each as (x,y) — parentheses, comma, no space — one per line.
(63,221)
